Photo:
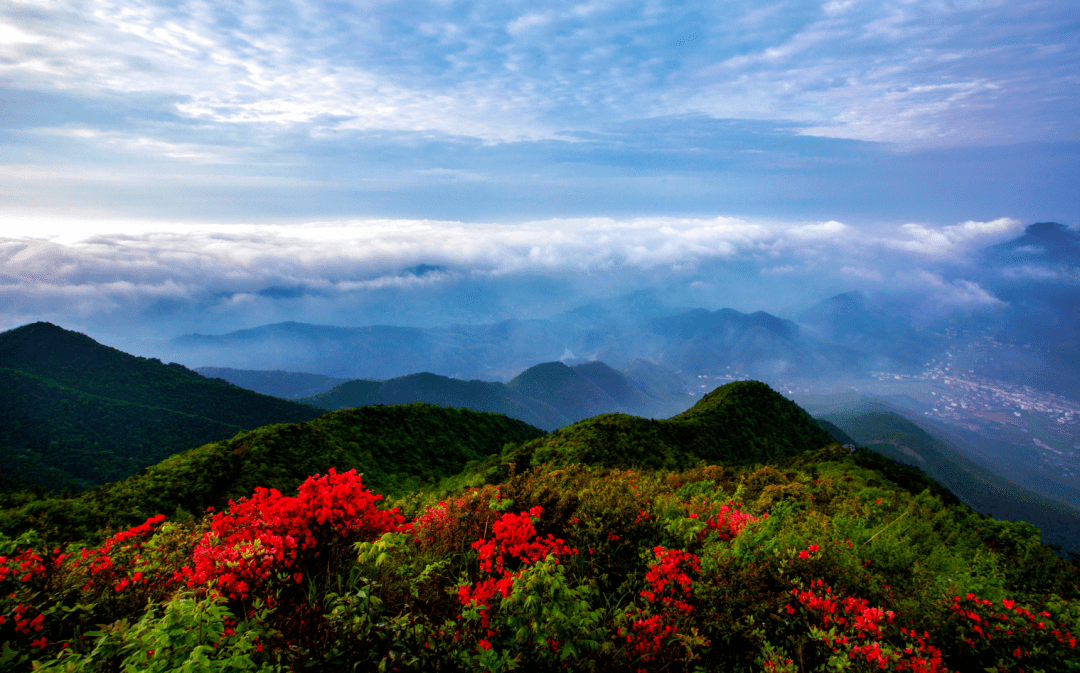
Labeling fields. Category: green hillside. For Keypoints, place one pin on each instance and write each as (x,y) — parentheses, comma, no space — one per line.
(75,413)
(741,422)
(442,390)
(611,546)
(397,448)
(885,431)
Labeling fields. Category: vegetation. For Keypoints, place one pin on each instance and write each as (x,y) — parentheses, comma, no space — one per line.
(76,414)
(736,537)
(889,434)
(399,448)
(738,423)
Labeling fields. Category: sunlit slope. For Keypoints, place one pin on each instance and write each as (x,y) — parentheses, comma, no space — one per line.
(397,448)
(881,429)
(75,413)
(740,422)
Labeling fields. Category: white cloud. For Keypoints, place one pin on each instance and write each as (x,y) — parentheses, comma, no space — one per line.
(353,254)
(949,240)
(913,75)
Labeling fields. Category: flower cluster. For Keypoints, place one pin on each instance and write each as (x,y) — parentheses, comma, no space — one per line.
(24,567)
(670,588)
(647,638)
(856,627)
(806,553)
(983,627)
(513,539)
(668,581)
(729,521)
(116,562)
(267,533)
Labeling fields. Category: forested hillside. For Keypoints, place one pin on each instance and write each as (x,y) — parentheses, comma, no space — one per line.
(397,448)
(76,414)
(609,546)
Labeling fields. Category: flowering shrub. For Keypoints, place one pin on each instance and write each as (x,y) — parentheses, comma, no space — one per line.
(729,521)
(513,542)
(1006,635)
(477,583)
(856,632)
(271,533)
(52,594)
(654,638)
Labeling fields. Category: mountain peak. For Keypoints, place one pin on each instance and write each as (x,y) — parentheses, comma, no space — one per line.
(1044,227)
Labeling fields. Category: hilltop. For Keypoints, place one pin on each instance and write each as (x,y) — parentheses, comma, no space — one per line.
(738,423)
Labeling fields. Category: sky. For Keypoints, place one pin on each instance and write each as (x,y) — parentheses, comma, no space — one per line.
(176,167)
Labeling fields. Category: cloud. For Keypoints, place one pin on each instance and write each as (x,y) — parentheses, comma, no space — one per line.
(102,270)
(951,239)
(913,75)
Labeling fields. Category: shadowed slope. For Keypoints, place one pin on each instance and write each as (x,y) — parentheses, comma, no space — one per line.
(75,413)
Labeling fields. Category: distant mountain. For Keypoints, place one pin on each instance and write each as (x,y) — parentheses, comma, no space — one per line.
(573,395)
(756,345)
(1026,332)
(1037,275)
(549,395)
(75,413)
(874,328)
(289,385)
(397,448)
(719,343)
(378,352)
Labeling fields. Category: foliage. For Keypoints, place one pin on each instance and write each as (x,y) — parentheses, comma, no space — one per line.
(805,561)
(394,447)
(740,422)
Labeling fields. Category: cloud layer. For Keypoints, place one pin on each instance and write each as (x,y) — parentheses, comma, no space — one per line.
(183,277)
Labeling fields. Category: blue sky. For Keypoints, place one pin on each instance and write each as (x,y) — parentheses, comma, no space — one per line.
(205,166)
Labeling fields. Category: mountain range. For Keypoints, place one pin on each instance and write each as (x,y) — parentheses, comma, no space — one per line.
(81,414)
(699,541)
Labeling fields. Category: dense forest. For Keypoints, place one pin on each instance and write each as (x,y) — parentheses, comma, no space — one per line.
(77,414)
(737,536)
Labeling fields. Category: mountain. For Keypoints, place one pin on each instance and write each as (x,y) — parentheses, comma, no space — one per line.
(289,385)
(573,395)
(397,448)
(549,395)
(853,320)
(757,345)
(378,352)
(714,541)
(737,423)
(76,414)
(1020,326)
(1037,276)
(719,343)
